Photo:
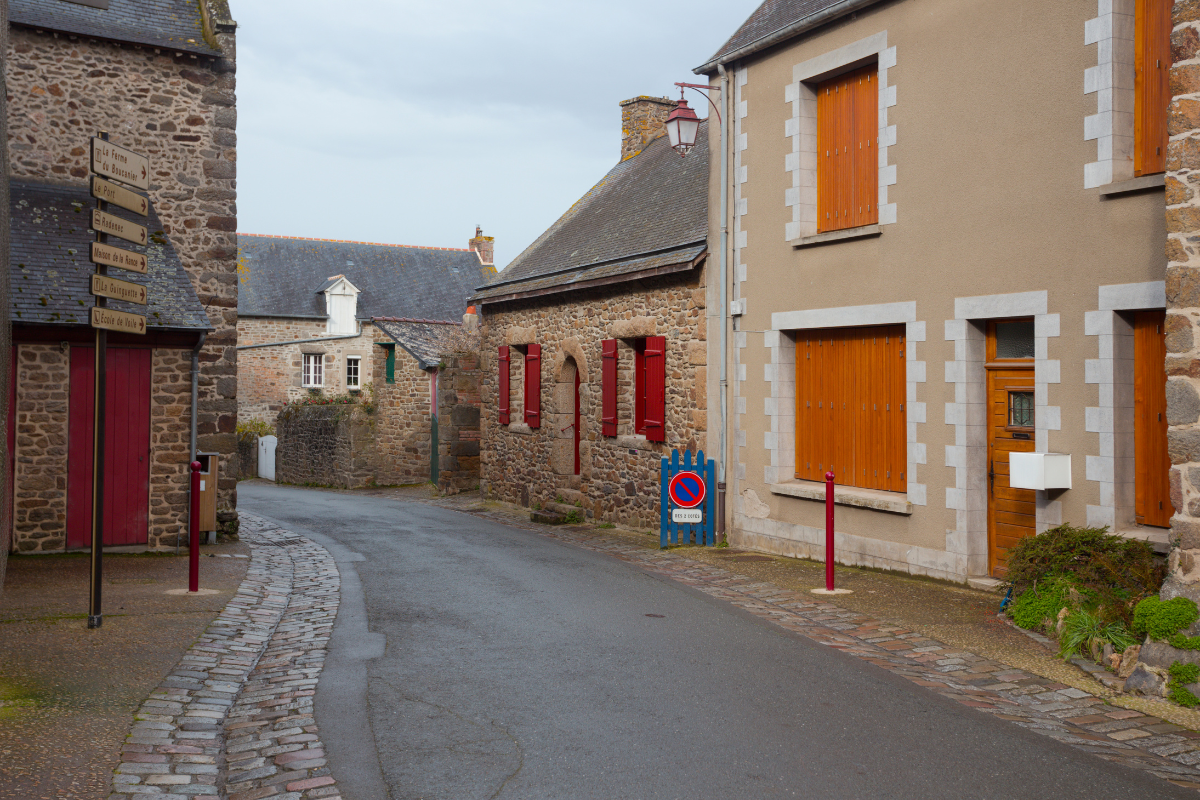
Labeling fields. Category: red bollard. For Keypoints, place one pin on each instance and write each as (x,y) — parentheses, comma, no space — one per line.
(829,531)
(194,532)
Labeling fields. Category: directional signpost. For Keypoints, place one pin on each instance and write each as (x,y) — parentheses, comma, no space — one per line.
(132,169)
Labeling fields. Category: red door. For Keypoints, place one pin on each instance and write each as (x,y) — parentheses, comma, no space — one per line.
(127,463)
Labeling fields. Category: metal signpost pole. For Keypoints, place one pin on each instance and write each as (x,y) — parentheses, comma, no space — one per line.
(95,617)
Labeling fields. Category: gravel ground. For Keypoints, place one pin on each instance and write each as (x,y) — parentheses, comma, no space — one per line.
(68,694)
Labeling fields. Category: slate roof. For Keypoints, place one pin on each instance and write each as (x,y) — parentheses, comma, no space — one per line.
(649,211)
(281,276)
(769,25)
(425,340)
(51,272)
(174,24)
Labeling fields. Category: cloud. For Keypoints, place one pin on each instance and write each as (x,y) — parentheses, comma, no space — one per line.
(411,122)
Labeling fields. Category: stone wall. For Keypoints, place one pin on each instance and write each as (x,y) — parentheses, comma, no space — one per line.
(170,456)
(619,476)
(40,473)
(180,111)
(5,325)
(642,121)
(403,418)
(1183,299)
(247,456)
(270,377)
(331,445)
(458,423)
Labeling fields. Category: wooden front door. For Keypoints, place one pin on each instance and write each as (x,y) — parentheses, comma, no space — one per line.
(1152,464)
(127,446)
(1012,513)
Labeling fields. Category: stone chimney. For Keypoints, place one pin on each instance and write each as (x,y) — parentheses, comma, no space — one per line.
(483,246)
(470,319)
(643,119)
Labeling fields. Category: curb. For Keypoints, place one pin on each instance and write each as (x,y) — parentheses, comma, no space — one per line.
(234,718)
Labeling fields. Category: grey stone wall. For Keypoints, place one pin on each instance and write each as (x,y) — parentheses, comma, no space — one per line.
(403,420)
(458,423)
(330,445)
(247,456)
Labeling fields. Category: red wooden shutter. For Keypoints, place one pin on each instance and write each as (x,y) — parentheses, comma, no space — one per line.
(1152,96)
(656,388)
(504,390)
(608,387)
(533,386)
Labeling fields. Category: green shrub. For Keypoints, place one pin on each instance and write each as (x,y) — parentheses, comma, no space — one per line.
(1160,620)
(1082,627)
(254,427)
(1113,571)
(1181,675)
(1041,602)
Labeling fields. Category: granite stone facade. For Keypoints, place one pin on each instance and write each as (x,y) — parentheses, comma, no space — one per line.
(619,476)
(270,377)
(402,419)
(459,404)
(332,445)
(179,109)
(40,470)
(1183,300)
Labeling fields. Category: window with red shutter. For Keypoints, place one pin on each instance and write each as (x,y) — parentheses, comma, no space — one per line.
(504,389)
(608,387)
(533,386)
(655,359)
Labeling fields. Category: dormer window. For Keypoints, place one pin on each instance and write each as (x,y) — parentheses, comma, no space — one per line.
(341,305)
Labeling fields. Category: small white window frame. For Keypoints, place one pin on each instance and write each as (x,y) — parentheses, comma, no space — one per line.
(355,363)
(313,371)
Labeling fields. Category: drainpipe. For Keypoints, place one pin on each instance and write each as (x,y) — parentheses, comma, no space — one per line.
(195,384)
(726,126)
(304,341)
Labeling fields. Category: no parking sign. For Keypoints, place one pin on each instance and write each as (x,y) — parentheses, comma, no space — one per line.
(687,505)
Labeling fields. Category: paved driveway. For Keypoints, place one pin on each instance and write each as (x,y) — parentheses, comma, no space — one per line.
(517,666)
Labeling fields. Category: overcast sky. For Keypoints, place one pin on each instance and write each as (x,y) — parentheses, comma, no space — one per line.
(410,122)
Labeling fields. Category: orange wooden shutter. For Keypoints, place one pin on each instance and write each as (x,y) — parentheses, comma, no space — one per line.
(533,386)
(504,388)
(847,150)
(1152,96)
(655,359)
(850,407)
(608,387)
(1152,464)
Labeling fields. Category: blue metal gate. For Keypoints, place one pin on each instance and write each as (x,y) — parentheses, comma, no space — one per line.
(703,533)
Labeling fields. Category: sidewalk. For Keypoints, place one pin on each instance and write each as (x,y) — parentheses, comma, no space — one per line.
(68,694)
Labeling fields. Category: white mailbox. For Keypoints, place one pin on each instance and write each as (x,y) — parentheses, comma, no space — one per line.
(1039,470)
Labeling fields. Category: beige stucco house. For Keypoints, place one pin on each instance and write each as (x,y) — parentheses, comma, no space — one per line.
(944,260)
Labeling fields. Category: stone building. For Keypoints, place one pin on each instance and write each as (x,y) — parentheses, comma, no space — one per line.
(935,309)
(593,351)
(305,311)
(158,76)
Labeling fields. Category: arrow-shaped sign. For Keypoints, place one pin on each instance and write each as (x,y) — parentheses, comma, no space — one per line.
(104,286)
(107,223)
(116,257)
(112,320)
(121,164)
(119,196)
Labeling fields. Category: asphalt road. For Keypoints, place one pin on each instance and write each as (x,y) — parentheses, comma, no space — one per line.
(516,666)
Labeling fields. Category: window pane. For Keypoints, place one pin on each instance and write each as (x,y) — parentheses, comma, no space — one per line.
(1020,409)
(1014,339)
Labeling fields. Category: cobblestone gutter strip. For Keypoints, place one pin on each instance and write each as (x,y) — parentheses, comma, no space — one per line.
(234,719)
(1052,709)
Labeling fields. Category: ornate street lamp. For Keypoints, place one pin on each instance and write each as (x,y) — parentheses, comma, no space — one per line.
(683,124)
